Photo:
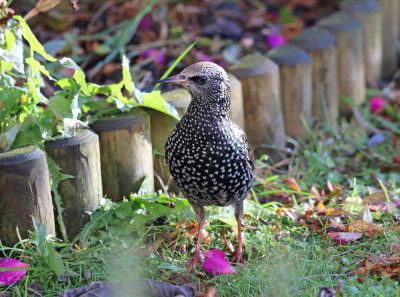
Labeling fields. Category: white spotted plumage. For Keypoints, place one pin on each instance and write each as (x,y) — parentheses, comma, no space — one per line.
(207,144)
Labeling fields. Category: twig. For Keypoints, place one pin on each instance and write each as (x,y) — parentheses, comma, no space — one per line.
(319,275)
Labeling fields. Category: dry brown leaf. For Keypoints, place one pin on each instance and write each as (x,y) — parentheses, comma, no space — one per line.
(148,249)
(363,227)
(293,184)
(381,265)
(375,198)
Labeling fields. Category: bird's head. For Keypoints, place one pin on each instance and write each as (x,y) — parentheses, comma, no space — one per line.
(207,82)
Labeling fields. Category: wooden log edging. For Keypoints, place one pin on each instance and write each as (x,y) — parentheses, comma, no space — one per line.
(296,87)
(264,124)
(126,152)
(369,14)
(161,127)
(320,44)
(390,35)
(78,156)
(24,192)
(236,112)
(350,58)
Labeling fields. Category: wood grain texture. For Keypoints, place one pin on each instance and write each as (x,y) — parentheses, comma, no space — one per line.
(24,193)
(296,89)
(126,153)
(264,124)
(369,14)
(350,58)
(236,111)
(320,44)
(390,34)
(78,156)
(161,127)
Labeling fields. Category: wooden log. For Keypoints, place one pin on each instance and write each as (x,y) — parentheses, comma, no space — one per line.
(320,44)
(161,127)
(350,57)
(126,152)
(24,193)
(264,122)
(369,14)
(296,87)
(78,156)
(236,111)
(390,35)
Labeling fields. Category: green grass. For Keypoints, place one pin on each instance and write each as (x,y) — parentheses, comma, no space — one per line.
(282,257)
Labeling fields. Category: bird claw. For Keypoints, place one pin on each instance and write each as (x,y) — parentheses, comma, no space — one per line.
(238,258)
(197,258)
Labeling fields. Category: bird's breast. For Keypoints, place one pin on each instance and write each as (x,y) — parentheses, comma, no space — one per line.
(205,162)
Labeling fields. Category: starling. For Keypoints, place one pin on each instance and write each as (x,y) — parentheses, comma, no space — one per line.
(209,156)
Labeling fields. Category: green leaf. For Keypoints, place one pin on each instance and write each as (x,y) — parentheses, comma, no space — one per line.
(33,42)
(54,260)
(76,111)
(60,106)
(79,75)
(286,15)
(37,66)
(10,135)
(126,75)
(156,101)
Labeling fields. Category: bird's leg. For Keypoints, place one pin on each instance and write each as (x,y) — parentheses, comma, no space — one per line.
(239,216)
(201,220)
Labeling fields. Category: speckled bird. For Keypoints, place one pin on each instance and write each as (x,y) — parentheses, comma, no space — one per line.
(208,154)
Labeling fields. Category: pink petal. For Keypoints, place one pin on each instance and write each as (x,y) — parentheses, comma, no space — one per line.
(159,56)
(204,57)
(145,23)
(218,266)
(376,104)
(215,254)
(69,72)
(275,40)
(384,207)
(11,276)
(344,238)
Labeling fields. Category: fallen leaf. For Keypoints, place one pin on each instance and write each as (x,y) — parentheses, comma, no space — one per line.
(343,238)
(275,40)
(376,104)
(217,263)
(293,184)
(381,265)
(363,227)
(210,292)
(9,277)
(375,198)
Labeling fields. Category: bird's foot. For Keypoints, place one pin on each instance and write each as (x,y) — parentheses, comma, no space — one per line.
(197,258)
(238,258)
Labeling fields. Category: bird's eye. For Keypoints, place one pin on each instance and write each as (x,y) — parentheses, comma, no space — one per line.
(199,79)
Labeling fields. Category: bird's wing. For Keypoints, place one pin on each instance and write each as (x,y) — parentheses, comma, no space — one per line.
(248,151)
(245,150)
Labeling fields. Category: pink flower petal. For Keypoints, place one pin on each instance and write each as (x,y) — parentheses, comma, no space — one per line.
(145,23)
(275,40)
(376,104)
(11,276)
(158,55)
(343,238)
(218,266)
(215,254)
(204,57)
(384,207)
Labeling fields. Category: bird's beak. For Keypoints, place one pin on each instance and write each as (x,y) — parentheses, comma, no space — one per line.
(177,79)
